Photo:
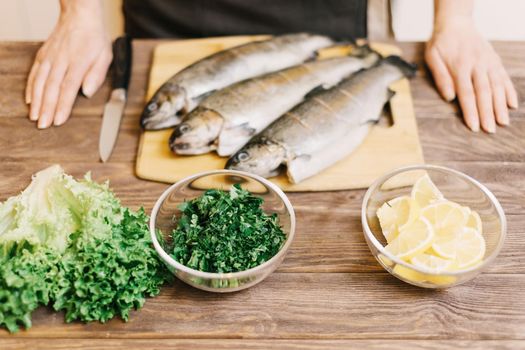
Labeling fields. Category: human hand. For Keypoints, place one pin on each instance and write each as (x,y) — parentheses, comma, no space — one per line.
(465,65)
(77,54)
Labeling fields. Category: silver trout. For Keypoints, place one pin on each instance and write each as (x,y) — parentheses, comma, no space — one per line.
(325,128)
(226,120)
(183,91)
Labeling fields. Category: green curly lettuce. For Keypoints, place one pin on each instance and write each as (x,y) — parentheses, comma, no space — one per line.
(72,245)
(26,276)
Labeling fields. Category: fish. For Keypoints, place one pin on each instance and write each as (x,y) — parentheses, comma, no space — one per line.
(227,119)
(325,128)
(184,90)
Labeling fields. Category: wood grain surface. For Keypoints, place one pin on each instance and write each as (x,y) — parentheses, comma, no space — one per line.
(329,292)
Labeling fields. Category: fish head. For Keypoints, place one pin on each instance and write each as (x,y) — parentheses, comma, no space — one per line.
(262,157)
(165,108)
(198,132)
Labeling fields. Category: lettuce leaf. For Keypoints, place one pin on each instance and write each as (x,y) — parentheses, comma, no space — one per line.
(72,245)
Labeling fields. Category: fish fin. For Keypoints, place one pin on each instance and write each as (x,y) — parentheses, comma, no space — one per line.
(408,69)
(386,120)
(376,120)
(297,167)
(390,93)
(246,129)
(276,171)
(373,121)
(232,139)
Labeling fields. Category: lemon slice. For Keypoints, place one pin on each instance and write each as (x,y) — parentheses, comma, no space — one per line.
(385,260)
(436,236)
(466,246)
(425,192)
(413,214)
(470,248)
(445,216)
(431,263)
(418,277)
(414,239)
(474,221)
(396,213)
(445,245)
(409,274)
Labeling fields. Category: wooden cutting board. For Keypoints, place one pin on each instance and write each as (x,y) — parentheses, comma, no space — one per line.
(385,148)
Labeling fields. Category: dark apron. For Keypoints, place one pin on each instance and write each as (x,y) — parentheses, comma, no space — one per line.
(341,19)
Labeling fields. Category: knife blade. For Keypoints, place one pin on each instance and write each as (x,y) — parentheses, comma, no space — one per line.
(114,108)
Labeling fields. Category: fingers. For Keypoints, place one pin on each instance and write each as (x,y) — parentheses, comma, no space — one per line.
(38,88)
(467,99)
(52,89)
(93,77)
(510,91)
(484,100)
(68,92)
(51,93)
(96,74)
(30,81)
(499,100)
(440,73)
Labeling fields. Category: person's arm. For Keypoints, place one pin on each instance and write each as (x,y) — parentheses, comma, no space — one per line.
(76,54)
(464,65)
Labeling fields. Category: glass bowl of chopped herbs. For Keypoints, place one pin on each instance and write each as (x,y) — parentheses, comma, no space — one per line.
(223,230)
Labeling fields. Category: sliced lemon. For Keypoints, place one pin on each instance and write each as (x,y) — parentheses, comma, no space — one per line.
(385,260)
(441,280)
(409,274)
(445,216)
(474,221)
(470,248)
(414,239)
(416,276)
(444,245)
(431,263)
(466,246)
(415,212)
(425,192)
(396,213)
(435,235)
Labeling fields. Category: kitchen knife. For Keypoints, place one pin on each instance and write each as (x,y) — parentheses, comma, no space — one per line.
(114,108)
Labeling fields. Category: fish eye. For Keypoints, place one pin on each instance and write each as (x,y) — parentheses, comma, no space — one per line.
(243,156)
(152,106)
(184,128)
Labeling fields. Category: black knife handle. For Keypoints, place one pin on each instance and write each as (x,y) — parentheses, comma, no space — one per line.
(121,62)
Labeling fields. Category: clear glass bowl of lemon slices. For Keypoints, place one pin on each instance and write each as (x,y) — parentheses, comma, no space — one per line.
(432,226)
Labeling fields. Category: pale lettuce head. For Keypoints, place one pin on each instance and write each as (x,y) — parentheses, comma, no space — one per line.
(54,206)
(71,245)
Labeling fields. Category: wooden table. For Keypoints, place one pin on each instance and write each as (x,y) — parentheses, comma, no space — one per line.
(329,292)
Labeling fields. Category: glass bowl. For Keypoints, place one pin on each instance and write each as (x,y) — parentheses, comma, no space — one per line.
(166,212)
(456,187)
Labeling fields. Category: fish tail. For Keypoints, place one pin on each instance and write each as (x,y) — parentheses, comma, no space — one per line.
(408,69)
